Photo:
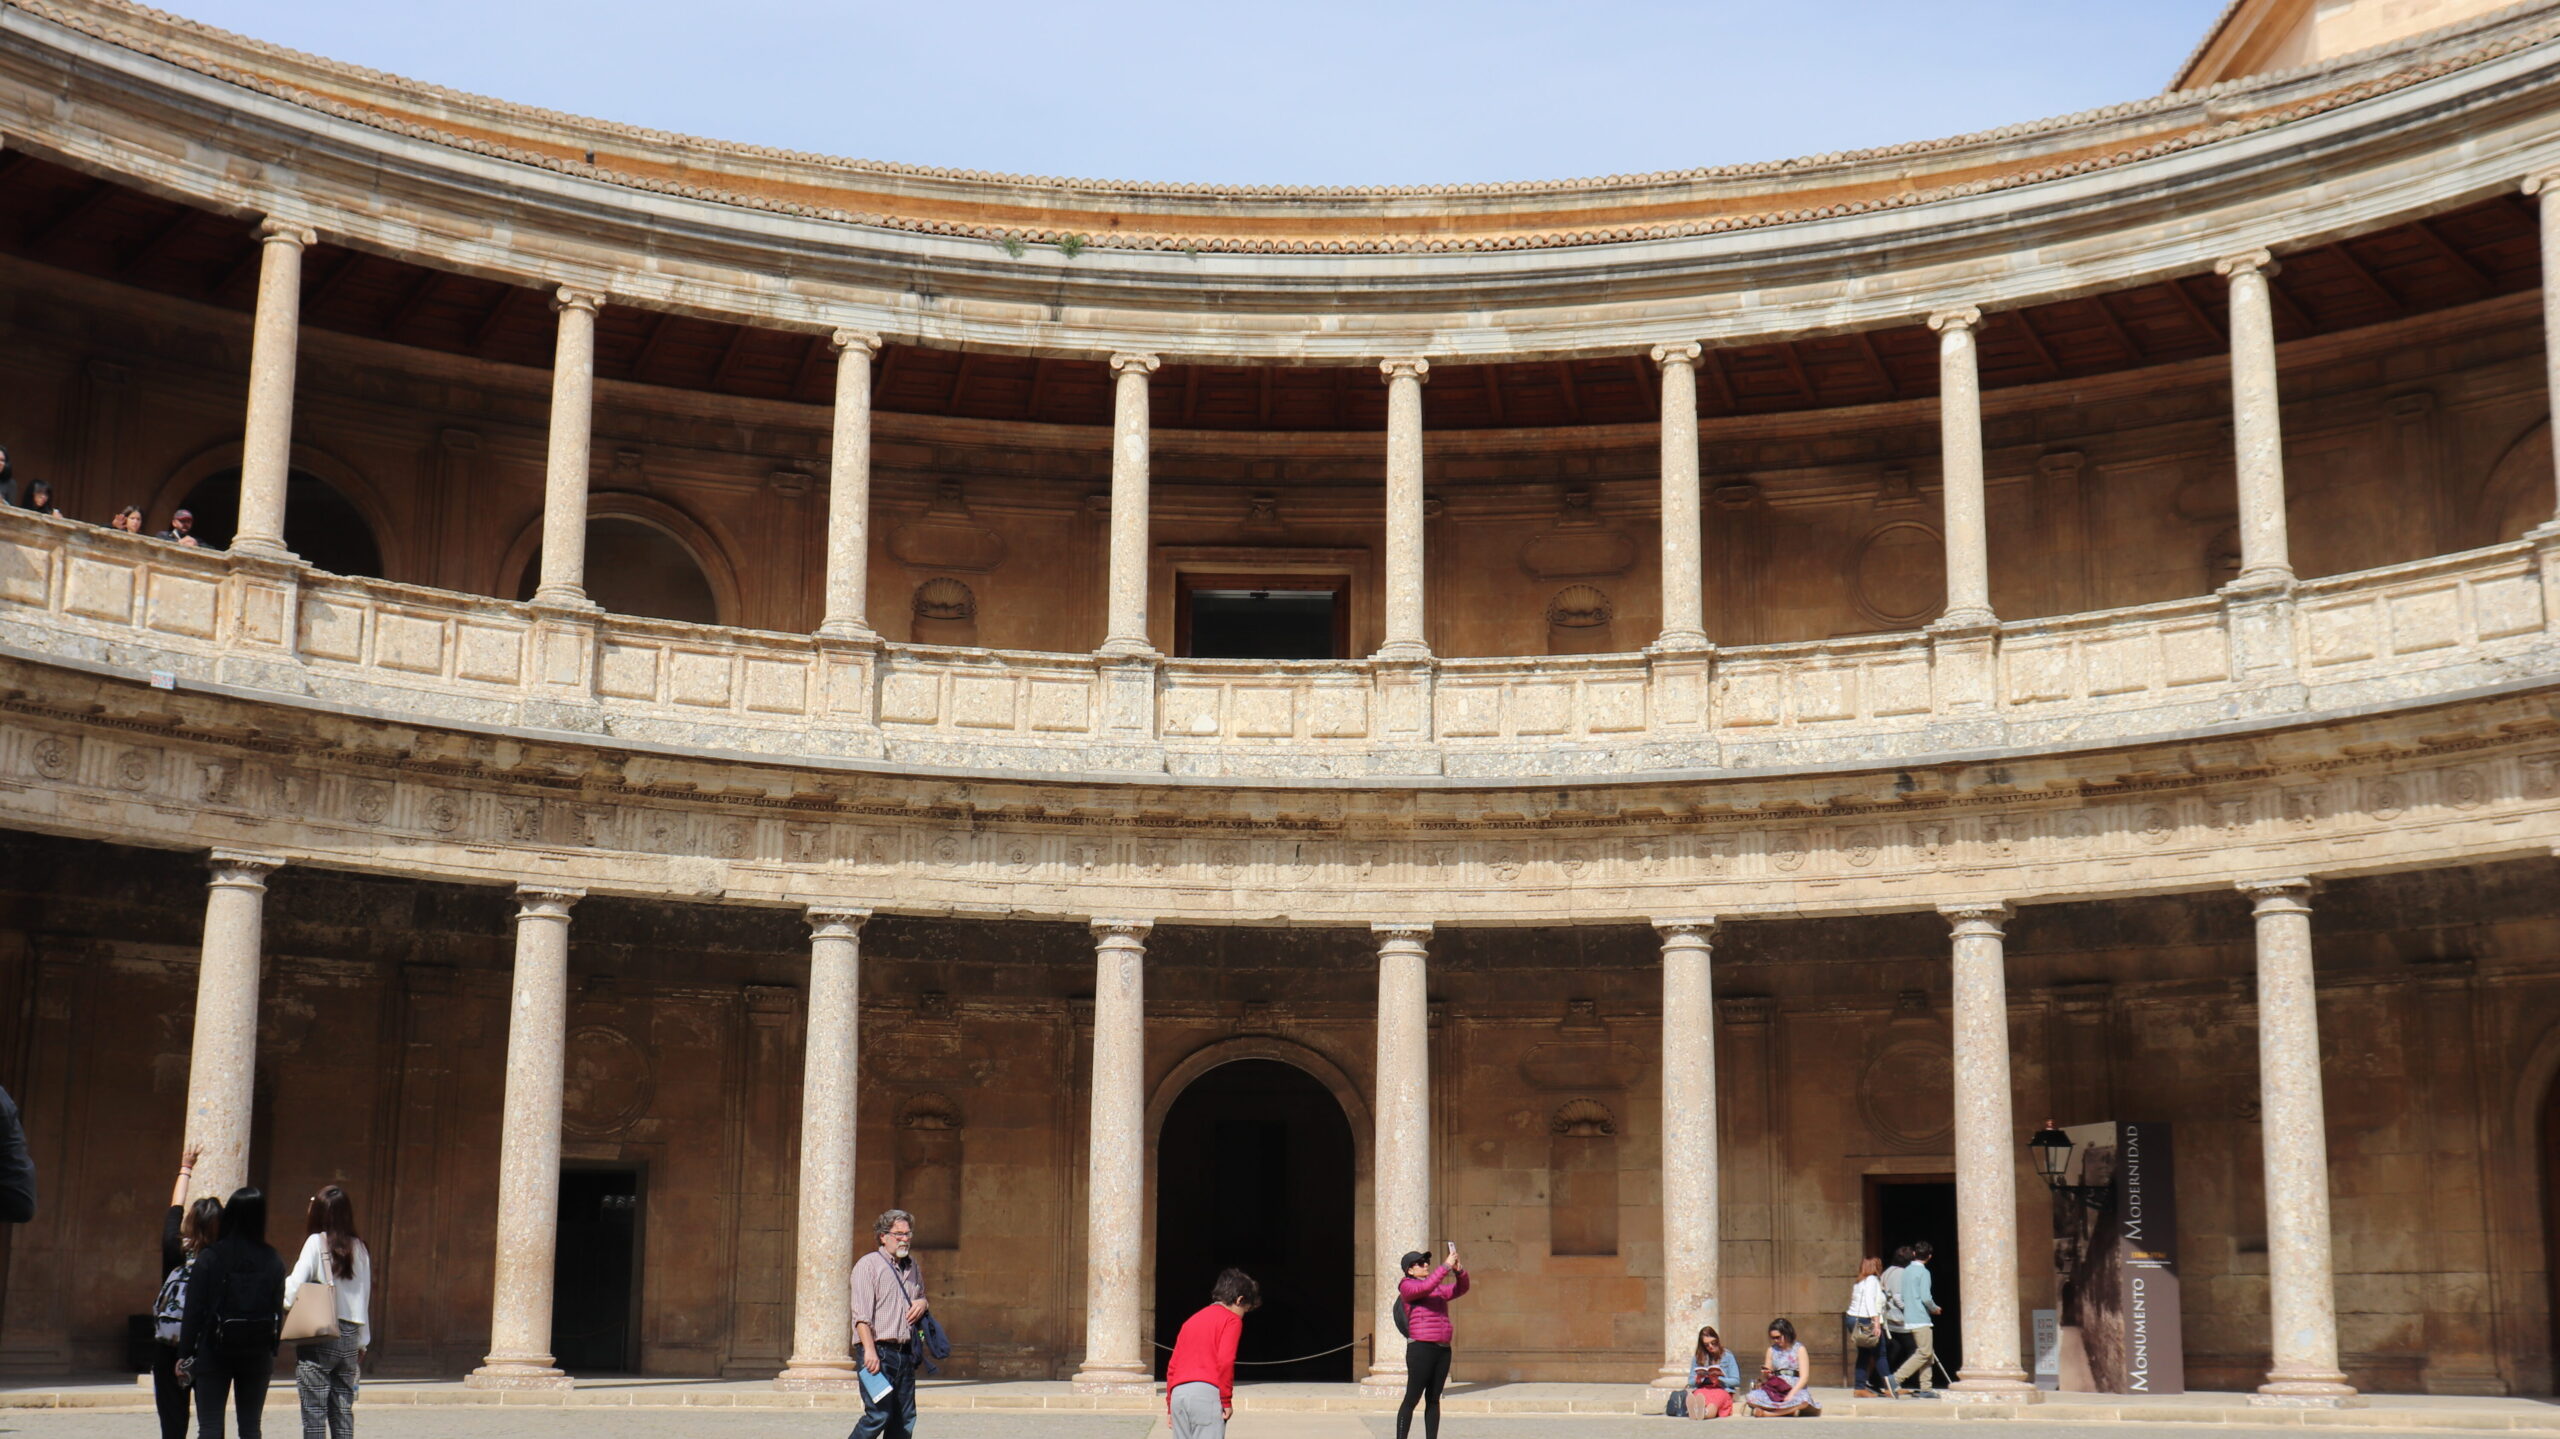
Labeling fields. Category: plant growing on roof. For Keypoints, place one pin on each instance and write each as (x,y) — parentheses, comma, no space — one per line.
(1071,245)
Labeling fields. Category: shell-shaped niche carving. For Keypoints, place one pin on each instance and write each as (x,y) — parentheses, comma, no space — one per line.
(944,537)
(1578,607)
(944,598)
(929,1111)
(1583,1119)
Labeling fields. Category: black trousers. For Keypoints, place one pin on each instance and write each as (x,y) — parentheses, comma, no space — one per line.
(1426,1371)
(168,1395)
(240,1375)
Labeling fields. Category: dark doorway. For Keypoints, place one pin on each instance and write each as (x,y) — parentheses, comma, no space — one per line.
(635,568)
(2551,1204)
(596,1276)
(1263,617)
(1254,1169)
(320,525)
(1905,1208)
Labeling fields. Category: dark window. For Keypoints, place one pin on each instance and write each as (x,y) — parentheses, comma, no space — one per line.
(1268,617)
(320,524)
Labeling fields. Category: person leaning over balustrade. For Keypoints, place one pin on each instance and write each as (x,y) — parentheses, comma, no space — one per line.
(128,519)
(182,528)
(37,495)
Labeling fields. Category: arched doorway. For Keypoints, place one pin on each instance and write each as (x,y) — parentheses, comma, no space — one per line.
(636,568)
(321,525)
(2550,1169)
(1255,1168)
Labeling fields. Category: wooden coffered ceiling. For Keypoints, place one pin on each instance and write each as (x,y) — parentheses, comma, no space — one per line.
(60,217)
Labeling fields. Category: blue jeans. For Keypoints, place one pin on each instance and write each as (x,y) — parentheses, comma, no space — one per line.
(894,1415)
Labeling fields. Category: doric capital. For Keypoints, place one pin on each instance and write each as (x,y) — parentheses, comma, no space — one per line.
(276,230)
(546,901)
(1976,918)
(863,340)
(1962,317)
(1685,353)
(1122,933)
(570,297)
(835,921)
(242,869)
(2278,896)
(1406,367)
(2253,262)
(1684,931)
(1129,361)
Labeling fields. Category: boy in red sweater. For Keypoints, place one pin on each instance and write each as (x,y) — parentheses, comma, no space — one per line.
(1200,1379)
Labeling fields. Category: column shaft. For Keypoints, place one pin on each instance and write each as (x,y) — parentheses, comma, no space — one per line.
(1960,451)
(2302,1303)
(529,1150)
(266,441)
(2548,188)
(1402,1218)
(1692,1228)
(1684,624)
(2257,433)
(848,603)
(1404,633)
(1115,1355)
(222,1062)
(1986,1161)
(821,1322)
(1126,633)
(564,476)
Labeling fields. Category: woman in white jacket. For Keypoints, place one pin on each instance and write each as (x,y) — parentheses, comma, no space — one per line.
(325,1370)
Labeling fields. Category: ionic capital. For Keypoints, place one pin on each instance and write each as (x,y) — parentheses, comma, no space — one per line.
(2278,896)
(863,340)
(275,230)
(1976,918)
(1684,932)
(1130,362)
(2258,262)
(1407,367)
(1122,933)
(1395,934)
(1686,353)
(546,901)
(2542,182)
(242,869)
(835,921)
(1961,318)
(570,297)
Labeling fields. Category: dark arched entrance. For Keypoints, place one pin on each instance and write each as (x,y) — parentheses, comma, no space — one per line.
(635,568)
(2550,1138)
(1255,1168)
(320,525)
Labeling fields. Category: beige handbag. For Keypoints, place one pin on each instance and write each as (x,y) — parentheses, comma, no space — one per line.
(314,1315)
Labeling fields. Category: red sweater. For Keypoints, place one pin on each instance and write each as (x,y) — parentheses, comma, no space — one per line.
(1205,1353)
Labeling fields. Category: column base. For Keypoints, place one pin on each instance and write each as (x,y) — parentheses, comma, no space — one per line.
(1681,644)
(1382,1378)
(1403,652)
(850,632)
(516,1376)
(260,547)
(820,1378)
(1112,1379)
(2261,584)
(1997,1389)
(2307,1394)
(1129,649)
(570,599)
(1670,1378)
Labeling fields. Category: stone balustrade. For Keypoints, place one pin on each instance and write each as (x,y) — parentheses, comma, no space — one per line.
(2397,637)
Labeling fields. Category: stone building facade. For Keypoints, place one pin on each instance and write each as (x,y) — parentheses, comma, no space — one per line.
(734,690)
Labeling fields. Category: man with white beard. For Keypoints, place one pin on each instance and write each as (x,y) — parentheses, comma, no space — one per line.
(888,1299)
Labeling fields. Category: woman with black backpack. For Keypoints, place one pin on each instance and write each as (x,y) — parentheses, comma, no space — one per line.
(234,1315)
(182,1233)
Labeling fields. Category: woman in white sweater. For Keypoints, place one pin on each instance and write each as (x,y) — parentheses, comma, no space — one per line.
(325,1370)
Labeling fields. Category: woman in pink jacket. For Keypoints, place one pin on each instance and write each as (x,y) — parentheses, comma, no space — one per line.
(1425,1293)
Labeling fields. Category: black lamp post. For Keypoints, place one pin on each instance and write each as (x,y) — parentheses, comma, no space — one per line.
(2052,1150)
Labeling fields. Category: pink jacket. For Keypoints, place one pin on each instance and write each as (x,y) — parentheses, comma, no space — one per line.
(1427,1304)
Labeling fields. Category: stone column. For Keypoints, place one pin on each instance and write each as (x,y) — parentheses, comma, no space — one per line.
(1401,1211)
(222,1064)
(564,475)
(266,441)
(529,1149)
(1683,586)
(1404,639)
(849,492)
(1116,1360)
(1960,452)
(821,1321)
(2547,186)
(1987,1153)
(2257,432)
(1692,1228)
(2302,1301)
(1127,631)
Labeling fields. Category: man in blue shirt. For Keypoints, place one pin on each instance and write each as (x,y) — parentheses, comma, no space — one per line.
(1920,1311)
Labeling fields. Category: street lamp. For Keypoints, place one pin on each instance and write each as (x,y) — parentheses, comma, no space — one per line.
(2052,1150)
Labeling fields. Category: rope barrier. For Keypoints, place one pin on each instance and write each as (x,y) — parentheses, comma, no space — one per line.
(1266,1363)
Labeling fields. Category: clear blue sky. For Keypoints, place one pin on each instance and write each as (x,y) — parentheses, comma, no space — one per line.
(1285,91)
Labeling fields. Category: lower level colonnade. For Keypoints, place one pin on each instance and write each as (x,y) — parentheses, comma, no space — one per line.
(1987,1137)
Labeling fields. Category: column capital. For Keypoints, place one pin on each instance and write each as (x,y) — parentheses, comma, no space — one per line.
(1389,932)
(1687,352)
(1405,367)
(835,921)
(2278,896)
(546,901)
(1675,931)
(570,297)
(1980,918)
(2257,261)
(863,340)
(1122,931)
(242,869)
(276,230)
(1961,318)
(2542,181)
(1131,361)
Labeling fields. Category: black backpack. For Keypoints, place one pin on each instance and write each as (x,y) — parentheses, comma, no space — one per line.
(1675,1405)
(1404,1317)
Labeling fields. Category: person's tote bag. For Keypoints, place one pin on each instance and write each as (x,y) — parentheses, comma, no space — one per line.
(314,1315)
